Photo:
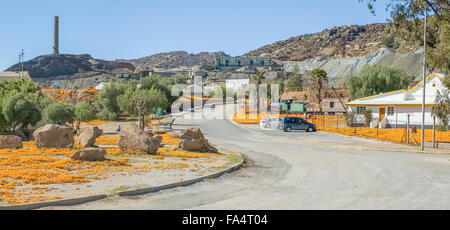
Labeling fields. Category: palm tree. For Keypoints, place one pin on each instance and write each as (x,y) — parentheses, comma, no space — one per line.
(258,79)
(319,76)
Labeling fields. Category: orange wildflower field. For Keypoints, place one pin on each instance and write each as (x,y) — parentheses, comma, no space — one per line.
(68,96)
(30,174)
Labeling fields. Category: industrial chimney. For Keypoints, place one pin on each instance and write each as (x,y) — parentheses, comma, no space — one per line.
(56,39)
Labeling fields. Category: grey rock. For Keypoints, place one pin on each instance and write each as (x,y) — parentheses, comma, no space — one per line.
(10,142)
(89,154)
(53,136)
(88,135)
(193,140)
(131,138)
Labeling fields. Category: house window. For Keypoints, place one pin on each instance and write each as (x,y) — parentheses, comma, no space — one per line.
(391,111)
(332,104)
(360,110)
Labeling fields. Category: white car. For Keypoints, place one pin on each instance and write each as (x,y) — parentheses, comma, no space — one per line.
(270,123)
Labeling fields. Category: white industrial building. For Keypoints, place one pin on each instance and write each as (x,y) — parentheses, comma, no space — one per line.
(391,109)
(10,75)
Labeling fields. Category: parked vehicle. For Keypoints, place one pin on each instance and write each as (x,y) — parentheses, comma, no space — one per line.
(270,122)
(295,123)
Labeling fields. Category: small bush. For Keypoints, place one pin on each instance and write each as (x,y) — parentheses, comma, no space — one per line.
(60,113)
(367,117)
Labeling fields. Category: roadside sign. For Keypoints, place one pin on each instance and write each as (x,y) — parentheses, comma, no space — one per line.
(159,111)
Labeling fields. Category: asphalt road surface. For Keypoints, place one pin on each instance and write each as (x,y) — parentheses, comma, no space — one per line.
(301,170)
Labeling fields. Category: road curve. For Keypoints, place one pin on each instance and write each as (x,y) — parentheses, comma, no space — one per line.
(303,171)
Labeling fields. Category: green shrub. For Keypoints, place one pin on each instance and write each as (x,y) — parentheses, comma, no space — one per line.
(20,112)
(60,113)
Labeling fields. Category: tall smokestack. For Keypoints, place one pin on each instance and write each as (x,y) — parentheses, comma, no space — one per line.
(56,39)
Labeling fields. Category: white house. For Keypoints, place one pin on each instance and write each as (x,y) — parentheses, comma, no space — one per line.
(392,109)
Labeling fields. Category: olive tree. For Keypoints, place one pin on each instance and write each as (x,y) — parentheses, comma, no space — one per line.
(20,112)
(140,102)
(106,103)
(84,113)
(407,20)
(60,113)
(376,79)
(3,123)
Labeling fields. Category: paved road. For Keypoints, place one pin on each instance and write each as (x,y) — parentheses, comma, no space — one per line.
(304,171)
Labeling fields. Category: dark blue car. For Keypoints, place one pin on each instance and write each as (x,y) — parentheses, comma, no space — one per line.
(295,123)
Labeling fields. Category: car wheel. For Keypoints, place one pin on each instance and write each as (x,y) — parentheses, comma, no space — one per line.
(288,129)
(310,129)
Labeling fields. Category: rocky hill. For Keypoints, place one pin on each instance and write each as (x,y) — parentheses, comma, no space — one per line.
(342,41)
(71,71)
(49,66)
(175,59)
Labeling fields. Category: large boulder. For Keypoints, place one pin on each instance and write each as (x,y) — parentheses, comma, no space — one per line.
(88,135)
(89,154)
(193,140)
(53,136)
(131,138)
(10,142)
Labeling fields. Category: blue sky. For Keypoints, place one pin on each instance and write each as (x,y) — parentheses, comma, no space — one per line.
(135,28)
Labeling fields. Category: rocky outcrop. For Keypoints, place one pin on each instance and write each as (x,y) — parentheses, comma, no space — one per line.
(53,136)
(47,66)
(341,41)
(89,154)
(193,140)
(132,139)
(176,59)
(10,142)
(88,135)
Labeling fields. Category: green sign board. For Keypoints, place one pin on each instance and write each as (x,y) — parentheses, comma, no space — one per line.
(295,107)
(159,111)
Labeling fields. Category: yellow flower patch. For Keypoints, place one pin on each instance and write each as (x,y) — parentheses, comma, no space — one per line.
(168,139)
(105,140)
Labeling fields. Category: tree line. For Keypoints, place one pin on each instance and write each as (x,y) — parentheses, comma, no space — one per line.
(23,105)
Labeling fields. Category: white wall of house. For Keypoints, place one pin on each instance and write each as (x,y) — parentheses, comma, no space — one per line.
(400,115)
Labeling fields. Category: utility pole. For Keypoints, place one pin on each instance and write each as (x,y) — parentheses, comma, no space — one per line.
(21,54)
(21,62)
(422,144)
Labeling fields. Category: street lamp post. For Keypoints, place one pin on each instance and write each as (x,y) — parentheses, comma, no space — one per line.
(422,144)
